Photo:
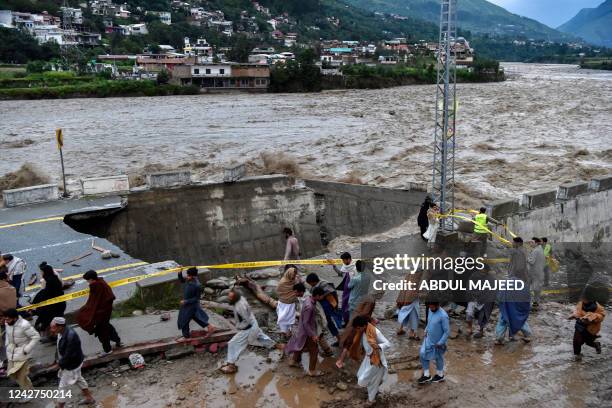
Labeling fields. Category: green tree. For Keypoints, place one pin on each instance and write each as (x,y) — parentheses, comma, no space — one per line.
(163,77)
(34,67)
(241,48)
(19,47)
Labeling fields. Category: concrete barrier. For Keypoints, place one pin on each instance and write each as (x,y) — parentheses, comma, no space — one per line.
(502,208)
(571,190)
(234,173)
(106,185)
(169,179)
(414,186)
(601,183)
(30,195)
(538,199)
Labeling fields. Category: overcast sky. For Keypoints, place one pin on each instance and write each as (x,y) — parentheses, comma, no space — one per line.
(550,12)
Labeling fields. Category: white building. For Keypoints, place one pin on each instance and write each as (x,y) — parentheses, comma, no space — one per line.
(138,29)
(290,39)
(164,16)
(211,70)
(46,33)
(6,19)
(122,12)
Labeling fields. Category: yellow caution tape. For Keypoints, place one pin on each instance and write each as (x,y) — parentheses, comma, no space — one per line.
(100,272)
(493,261)
(19,224)
(472,211)
(461,217)
(133,279)
(263,264)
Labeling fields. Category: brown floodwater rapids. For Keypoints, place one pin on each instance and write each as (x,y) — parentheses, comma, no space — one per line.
(545,125)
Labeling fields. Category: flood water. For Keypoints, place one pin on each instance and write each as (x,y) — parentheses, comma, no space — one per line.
(545,125)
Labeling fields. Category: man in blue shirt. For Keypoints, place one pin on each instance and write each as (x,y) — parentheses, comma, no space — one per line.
(434,343)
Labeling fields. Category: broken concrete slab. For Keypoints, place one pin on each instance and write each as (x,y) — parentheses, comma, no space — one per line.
(570,190)
(234,173)
(110,185)
(502,208)
(30,195)
(167,179)
(601,183)
(538,199)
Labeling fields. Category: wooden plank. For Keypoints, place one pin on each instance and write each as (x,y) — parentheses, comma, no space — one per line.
(198,339)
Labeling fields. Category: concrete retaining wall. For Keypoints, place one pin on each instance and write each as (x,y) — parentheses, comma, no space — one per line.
(168,179)
(105,185)
(217,223)
(586,218)
(30,195)
(601,183)
(355,210)
(571,190)
(574,212)
(214,222)
(538,199)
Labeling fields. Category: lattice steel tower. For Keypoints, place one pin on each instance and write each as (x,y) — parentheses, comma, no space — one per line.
(69,49)
(443,180)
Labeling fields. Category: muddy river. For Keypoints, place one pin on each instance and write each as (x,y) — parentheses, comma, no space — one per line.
(545,125)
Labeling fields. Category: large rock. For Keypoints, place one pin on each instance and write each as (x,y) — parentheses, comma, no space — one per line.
(267,274)
(217,284)
(222,299)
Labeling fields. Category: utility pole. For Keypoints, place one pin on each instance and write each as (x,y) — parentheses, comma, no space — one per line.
(443,177)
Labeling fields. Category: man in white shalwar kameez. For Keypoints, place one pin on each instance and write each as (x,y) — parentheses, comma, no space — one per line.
(537,263)
(373,369)
(248,332)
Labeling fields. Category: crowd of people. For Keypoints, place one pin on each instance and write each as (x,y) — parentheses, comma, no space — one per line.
(309,310)
(20,337)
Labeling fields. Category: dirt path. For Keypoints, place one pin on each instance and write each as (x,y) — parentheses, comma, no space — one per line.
(479,374)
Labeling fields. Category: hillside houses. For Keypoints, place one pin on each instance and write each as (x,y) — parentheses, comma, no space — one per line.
(45,28)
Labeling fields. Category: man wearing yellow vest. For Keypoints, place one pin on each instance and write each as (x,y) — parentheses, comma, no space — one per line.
(481,228)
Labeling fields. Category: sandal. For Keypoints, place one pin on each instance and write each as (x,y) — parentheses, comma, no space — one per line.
(317,373)
(228,369)
(210,330)
(400,332)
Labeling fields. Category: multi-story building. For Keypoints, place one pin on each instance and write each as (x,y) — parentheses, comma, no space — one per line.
(73,16)
(224,77)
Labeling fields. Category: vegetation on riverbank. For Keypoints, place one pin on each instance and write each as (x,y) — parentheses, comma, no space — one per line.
(302,75)
(95,88)
(605,64)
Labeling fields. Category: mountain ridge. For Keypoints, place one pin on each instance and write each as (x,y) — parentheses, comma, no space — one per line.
(479,16)
(592,24)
